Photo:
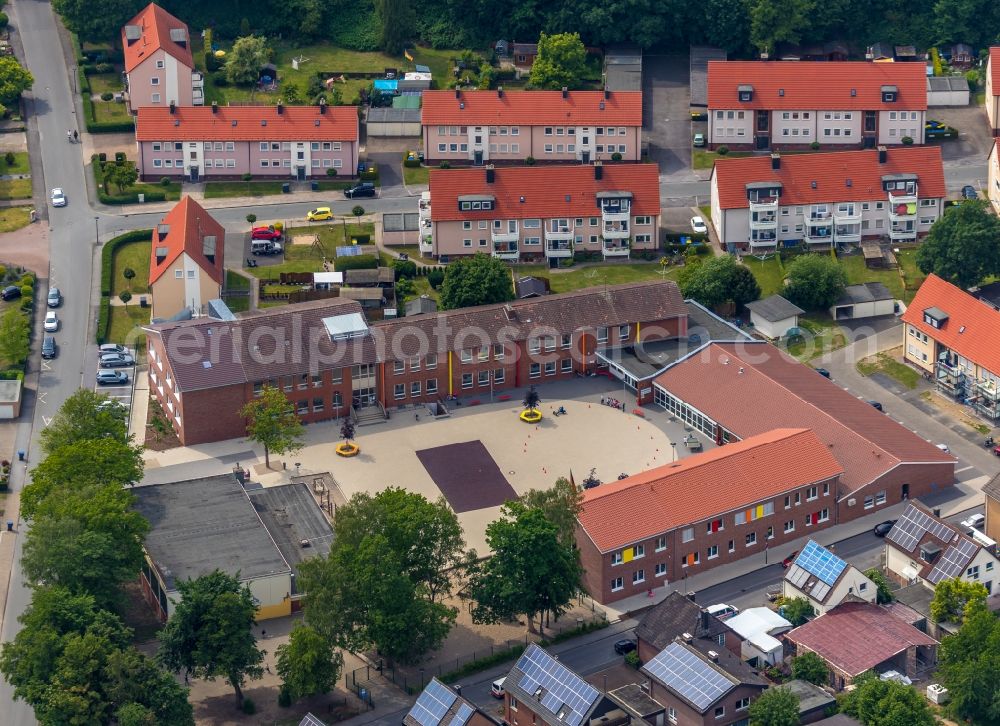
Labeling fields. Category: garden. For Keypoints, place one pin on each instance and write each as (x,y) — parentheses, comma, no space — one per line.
(118,182)
(99,75)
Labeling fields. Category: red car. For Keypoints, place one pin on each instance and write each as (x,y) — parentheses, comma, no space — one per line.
(787,562)
(268,233)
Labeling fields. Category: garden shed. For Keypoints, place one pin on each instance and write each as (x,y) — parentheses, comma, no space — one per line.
(948,91)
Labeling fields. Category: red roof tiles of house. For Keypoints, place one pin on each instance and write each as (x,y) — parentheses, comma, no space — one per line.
(532,108)
(972,329)
(855,636)
(543,191)
(698,487)
(839,176)
(995,70)
(815,85)
(186,228)
(247,123)
(155,26)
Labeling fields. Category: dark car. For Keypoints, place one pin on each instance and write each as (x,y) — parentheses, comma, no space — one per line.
(823,372)
(364,189)
(117,360)
(624,646)
(268,233)
(882,528)
(876,405)
(787,562)
(49,348)
(11,292)
(969,192)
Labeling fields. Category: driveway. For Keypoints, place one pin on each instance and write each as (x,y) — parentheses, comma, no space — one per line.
(389,172)
(974,137)
(666,114)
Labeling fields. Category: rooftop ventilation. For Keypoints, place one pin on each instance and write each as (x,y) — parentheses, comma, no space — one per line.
(521,199)
(322,105)
(781,91)
(607,94)
(215,107)
(316,122)
(813,184)
(491,174)
(854,92)
(598,170)
(565,92)
(499,91)
(234,123)
(848,183)
(173,108)
(263,122)
(461,106)
(775,162)
(280,108)
(458,93)
(601,105)
(177,122)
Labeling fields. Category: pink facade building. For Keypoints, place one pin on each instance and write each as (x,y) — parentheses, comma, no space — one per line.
(159,68)
(225,142)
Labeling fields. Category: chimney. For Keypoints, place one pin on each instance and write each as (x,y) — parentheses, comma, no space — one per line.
(687,637)
(713,656)
(458,93)
(706,620)
(173,108)
(565,92)
(692,596)
(322,105)
(457,688)
(775,162)
(882,153)
(499,91)
(215,107)
(280,108)
(598,170)
(607,94)
(491,174)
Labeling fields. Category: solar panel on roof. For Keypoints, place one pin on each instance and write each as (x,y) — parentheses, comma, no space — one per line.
(820,562)
(310,720)
(686,673)
(911,526)
(953,562)
(432,704)
(462,716)
(556,685)
(349,251)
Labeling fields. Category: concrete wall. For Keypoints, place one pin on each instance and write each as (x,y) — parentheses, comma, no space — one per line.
(919,348)
(688,716)
(906,123)
(773,330)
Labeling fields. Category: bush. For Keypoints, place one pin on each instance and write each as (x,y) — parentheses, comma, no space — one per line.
(410,161)
(530,161)
(814,146)
(722,150)
(907,141)
(103,320)
(632,659)
(102,68)
(220,80)
(9,158)
(164,181)
(27,304)
(616,156)
(249,707)
(107,96)
(444,165)
(404,268)
(361,262)
(436,278)
(4,20)
(331,172)
(284,697)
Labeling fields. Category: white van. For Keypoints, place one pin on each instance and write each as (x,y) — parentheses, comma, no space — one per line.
(722,611)
(497,689)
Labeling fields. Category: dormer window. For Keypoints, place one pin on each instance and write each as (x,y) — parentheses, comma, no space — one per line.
(889,94)
(745,93)
(935,317)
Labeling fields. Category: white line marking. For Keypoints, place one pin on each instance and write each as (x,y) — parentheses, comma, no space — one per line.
(964,468)
(46,420)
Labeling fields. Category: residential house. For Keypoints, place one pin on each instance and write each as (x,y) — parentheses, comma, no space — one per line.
(701,684)
(441,705)
(328,360)
(992,75)
(673,617)
(961,55)
(856,637)
(865,300)
(703,511)
(756,388)
(767,104)
(820,200)
(541,691)
(951,335)
(159,67)
(523,55)
(993,172)
(825,580)
(544,212)
(773,317)
(225,142)
(500,126)
(187,260)
(814,702)
(759,629)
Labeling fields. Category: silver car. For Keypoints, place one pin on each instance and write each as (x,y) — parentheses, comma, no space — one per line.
(58,197)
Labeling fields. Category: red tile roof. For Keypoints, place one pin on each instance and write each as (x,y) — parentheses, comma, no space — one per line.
(972,328)
(189,224)
(155,25)
(725,479)
(294,123)
(995,70)
(532,108)
(547,191)
(830,171)
(855,637)
(816,85)
(751,388)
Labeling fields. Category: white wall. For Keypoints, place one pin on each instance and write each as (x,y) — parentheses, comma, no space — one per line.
(773,330)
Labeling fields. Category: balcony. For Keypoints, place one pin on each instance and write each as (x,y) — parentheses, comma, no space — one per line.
(559,233)
(908,196)
(616,214)
(816,218)
(763,241)
(902,233)
(615,248)
(558,248)
(847,216)
(902,207)
(197,80)
(506,250)
(988,399)
(847,233)
(426,243)
(424,206)
(763,220)
(505,237)
(768,204)
(950,379)
(615,231)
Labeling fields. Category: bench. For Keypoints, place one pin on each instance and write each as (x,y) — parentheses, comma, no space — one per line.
(504,397)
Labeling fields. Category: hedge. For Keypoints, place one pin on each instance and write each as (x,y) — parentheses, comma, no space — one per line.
(12,374)
(90,116)
(108,254)
(361,262)
(133,198)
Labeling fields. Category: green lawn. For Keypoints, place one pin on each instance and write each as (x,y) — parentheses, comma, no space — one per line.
(15,189)
(416,175)
(237,303)
(819,336)
(857,272)
(769,274)
(702,159)
(217,190)
(306,258)
(105,83)
(595,275)
(884,363)
(412,250)
(134,256)
(236,281)
(20,165)
(125,320)
(12,218)
(110,112)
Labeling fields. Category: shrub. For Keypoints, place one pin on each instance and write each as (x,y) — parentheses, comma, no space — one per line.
(410,161)
(284,697)
(108,255)
(722,150)
(26,304)
(404,268)
(331,172)
(220,80)
(102,68)
(27,291)
(120,157)
(814,146)
(9,158)
(907,141)
(3,272)
(4,20)
(103,319)
(249,707)
(616,156)
(436,278)
(444,165)
(107,96)
(632,659)
(530,161)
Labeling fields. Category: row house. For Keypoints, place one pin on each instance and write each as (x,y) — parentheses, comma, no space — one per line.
(704,511)
(781,105)
(476,127)
(543,212)
(205,143)
(159,67)
(759,204)
(330,363)
(993,90)
(951,335)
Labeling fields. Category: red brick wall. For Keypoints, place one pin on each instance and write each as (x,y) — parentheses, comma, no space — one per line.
(523,716)
(688,716)
(212,415)
(299,389)
(921,479)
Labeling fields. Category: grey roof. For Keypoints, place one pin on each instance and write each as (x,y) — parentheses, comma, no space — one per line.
(811,697)
(774,308)
(916,529)
(10,391)
(917,597)
(992,488)
(420,306)
(947,83)
(698,70)
(389,114)
(292,517)
(550,689)
(634,700)
(200,525)
(372,276)
(837,720)
(438,704)
(700,672)
(673,616)
(864,293)
(623,68)
(990,294)
(530,287)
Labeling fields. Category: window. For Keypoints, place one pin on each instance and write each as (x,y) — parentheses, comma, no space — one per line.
(732,546)
(567,340)
(154,81)
(770,532)
(720,711)
(550,368)
(826,489)
(616,558)
(687,534)
(400,391)
(398,367)
(671,711)
(179,274)
(880,497)
(157,163)
(751,539)
(535,370)
(415,388)
(432,386)
(643,220)
(317,405)
(302,407)
(712,552)
(498,375)
(714,526)
(661,543)
(623,332)
(466,380)
(617,584)
(602,335)
(484,378)
(566,365)
(513,703)
(661,570)
(638,577)
(466,355)
(414,364)
(789,526)
(692,558)
(743,704)
(811,494)
(155,98)
(303,382)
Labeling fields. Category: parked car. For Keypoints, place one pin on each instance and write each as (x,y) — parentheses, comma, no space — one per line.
(882,528)
(51,323)
(112,378)
(319,214)
(722,611)
(823,372)
(699,140)
(699,115)
(112,348)
(363,189)
(268,233)
(973,521)
(117,360)
(944,448)
(969,192)
(940,131)
(58,197)
(497,688)
(625,646)
(787,562)
(49,348)
(698,225)
(265,247)
(876,405)
(54,299)
(11,292)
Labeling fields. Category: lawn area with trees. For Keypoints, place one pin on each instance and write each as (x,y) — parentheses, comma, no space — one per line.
(309,258)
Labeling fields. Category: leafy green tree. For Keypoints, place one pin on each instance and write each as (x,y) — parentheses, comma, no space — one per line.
(531,571)
(963,246)
(97,20)
(135,714)
(561,61)
(396,21)
(797,610)
(81,418)
(14,80)
(778,21)
(721,280)
(211,632)
(561,505)
(145,691)
(884,594)
(347,430)
(810,667)
(358,211)
(886,703)
(122,175)
(273,423)
(15,344)
(776,706)
(248,55)
(952,598)
(531,399)
(308,664)
(815,282)
(251,218)
(125,296)
(476,280)
(129,274)
(969,667)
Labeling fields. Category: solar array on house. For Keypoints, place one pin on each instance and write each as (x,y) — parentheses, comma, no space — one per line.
(462,715)
(953,562)
(432,704)
(692,678)
(913,524)
(559,689)
(815,570)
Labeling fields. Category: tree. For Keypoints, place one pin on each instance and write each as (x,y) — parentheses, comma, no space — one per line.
(347,429)
(272,423)
(886,703)
(810,667)
(884,594)
(531,571)
(125,296)
(561,61)
(122,175)
(969,667)
(721,280)
(476,280)
(129,274)
(146,693)
(211,632)
(778,21)
(776,706)
(291,94)
(96,20)
(83,416)
(248,55)
(797,610)
(815,282)
(251,218)
(963,246)
(358,211)
(953,597)
(531,399)
(14,80)
(396,22)
(308,664)
(561,505)
(15,344)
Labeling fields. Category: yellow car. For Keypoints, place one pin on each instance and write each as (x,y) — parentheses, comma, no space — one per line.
(319,214)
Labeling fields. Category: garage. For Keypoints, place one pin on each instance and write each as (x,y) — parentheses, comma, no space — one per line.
(948,91)
(393,122)
(869,300)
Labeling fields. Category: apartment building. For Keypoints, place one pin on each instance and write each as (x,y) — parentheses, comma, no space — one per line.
(952,336)
(705,510)
(476,127)
(820,200)
(993,90)
(159,68)
(330,363)
(206,143)
(543,212)
(782,105)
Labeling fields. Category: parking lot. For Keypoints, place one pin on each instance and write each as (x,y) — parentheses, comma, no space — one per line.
(122,393)
(974,138)
(667,113)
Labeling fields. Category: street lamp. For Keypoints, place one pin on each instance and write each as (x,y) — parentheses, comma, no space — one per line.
(97,230)
(673,451)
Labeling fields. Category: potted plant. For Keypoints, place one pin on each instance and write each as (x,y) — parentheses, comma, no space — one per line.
(531,414)
(347,447)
